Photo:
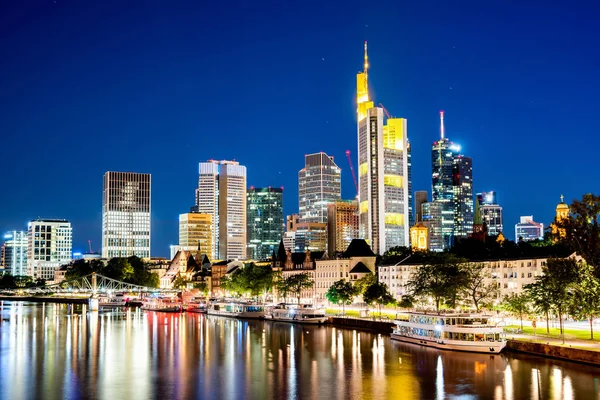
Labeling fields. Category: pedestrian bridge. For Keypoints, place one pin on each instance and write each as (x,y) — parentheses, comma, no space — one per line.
(91,284)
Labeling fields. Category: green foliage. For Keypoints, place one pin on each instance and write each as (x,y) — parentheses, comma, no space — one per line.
(442,277)
(363,283)
(406,302)
(202,287)
(379,294)
(295,284)
(119,269)
(251,280)
(585,296)
(395,255)
(517,304)
(538,294)
(341,292)
(475,288)
(180,283)
(81,268)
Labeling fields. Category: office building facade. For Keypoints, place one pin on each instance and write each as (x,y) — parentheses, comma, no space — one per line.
(265,221)
(14,253)
(462,189)
(385,209)
(527,229)
(126,205)
(221,193)
(420,198)
(49,246)
(342,225)
(319,184)
(195,233)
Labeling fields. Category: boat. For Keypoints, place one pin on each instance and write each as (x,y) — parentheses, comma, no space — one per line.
(237,310)
(112,302)
(305,314)
(158,304)
(196,307)
(462,332)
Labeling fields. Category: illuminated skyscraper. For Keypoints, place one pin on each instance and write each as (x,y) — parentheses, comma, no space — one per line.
(195,232)
(265,221)
(527,229)
(491,212)
(14,253)
(49,245)
(342,225)
(385,209)
(420,198)
(221,193)
(319,183)
(452,188)
(126,215)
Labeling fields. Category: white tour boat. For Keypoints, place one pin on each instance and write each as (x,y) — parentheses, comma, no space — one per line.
(236,310)
(463,332)
(166,304)
(292,313)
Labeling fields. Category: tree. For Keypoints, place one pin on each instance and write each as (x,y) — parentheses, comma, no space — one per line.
(441,277)
(363,283)
(406,302)
(250,280)
(517,304)
(476,288)
(297,283)
(202,287)
(559,276)
(585,301)
(141,276)
(180,282)
(538,294)
(118,268)
(341,292)
(582,229)
(7,281)
(379,294)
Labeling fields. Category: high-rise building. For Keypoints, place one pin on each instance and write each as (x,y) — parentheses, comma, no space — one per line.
(265,221)
(49,245)
(432,219)
(491,212)
(452,188)
(462,189)
(126,208)
(14,253)
(420,198)
(385,209)
(342,225)
(310,236)
(222,194)
(527,229)
(195,232)
(319,184)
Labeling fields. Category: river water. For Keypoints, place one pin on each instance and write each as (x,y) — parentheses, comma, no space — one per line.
(57,351)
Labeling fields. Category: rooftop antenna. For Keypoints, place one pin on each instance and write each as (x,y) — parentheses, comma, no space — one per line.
(442,123)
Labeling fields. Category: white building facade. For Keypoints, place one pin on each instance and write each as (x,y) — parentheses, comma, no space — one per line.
(126,205)
(49,245)
(15,253)
(319,184)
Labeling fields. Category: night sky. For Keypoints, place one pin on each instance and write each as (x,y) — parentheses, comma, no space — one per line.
(158,86)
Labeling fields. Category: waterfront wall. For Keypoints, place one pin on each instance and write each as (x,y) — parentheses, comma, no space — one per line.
(561,352)
(364,324)
(48,299)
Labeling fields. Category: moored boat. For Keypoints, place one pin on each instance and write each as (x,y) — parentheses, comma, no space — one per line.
(237,310)
(462,332)
(292,313)
(158,304)
(196,307)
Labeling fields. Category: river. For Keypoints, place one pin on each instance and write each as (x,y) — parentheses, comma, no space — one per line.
(59,351)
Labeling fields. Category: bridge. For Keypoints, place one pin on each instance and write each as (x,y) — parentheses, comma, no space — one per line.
(91,284)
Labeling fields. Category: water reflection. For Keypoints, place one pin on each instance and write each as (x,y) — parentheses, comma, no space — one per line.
(60,351)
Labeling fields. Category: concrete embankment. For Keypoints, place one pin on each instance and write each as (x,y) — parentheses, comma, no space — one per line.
(554,351)
(362,324)
(47,299)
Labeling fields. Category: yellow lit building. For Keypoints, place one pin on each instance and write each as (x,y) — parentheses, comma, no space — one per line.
(419,237)
(342,225)
(195,232)
(384,193)
(562,213)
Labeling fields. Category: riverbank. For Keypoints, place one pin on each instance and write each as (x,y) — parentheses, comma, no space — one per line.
(47,299)
(371,325)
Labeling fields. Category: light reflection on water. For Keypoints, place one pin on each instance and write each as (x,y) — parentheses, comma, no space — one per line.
(61,351)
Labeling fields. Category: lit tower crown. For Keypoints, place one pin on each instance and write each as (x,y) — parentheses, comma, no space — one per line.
(362,89)
(442,130)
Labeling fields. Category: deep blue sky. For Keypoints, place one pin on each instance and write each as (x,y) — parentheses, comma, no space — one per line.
(157,86)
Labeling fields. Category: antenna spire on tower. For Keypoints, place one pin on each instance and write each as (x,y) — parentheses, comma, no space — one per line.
(366,66)
(442,131)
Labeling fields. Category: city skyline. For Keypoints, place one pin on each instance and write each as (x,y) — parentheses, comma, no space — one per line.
(504,83)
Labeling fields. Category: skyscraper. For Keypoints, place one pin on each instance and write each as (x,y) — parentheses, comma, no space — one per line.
(527,229)
(420,198)
(342,225)
(319,183)
(265,221)
(49,245)
(432,219)
(126,208)
(385,208)
(195,232)
(491,212)
(452,188)
(15,253)
(222,194)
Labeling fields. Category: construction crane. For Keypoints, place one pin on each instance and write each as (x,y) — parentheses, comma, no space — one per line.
(90,245)
(387,114)
(352,170)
